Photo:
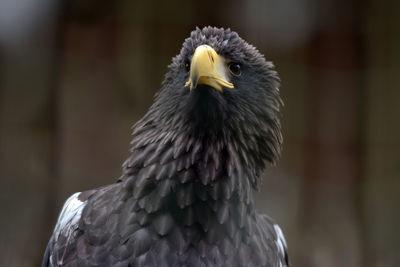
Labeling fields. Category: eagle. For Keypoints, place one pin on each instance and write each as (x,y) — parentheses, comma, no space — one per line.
(185,196)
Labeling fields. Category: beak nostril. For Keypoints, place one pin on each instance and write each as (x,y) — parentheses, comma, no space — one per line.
(211,56)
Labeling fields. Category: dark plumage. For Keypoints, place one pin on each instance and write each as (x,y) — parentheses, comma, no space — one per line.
(185,196)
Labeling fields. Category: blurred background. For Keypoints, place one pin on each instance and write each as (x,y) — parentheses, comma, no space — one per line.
(76,75)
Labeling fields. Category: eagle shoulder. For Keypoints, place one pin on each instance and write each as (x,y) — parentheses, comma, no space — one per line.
(66,229)
(282,247)
(276,241)
(68,219)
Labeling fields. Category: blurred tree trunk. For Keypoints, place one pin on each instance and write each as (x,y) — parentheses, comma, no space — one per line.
(333,220)
(26,65)
(382,168)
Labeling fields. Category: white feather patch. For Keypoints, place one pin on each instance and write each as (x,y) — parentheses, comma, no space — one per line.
(69,217)
(280,240)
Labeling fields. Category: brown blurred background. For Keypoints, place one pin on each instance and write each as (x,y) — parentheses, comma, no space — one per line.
(75,75)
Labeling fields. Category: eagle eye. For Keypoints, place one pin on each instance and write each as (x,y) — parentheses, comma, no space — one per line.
(235,68)
(187,66)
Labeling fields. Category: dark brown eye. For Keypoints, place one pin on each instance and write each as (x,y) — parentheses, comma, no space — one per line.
(235,68)
(187,66)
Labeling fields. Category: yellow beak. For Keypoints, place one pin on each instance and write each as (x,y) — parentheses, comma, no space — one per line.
(208,68)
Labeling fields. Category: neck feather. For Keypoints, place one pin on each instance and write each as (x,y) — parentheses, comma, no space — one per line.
(197,178)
